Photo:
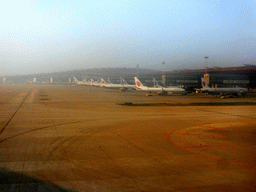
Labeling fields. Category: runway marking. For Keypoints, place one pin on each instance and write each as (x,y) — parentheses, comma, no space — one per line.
(187,148)
(210,127)
(37,129)
(22,102)
(202,146)
(194,134)
(249,123)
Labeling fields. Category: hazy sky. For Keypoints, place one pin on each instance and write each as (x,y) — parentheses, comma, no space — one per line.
(59,35)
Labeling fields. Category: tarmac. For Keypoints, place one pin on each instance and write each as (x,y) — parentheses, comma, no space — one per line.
(82,138)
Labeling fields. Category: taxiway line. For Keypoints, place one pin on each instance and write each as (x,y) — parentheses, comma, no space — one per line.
(202,146)
(24,99)
(197,134)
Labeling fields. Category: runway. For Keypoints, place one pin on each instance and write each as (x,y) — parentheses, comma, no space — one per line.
(77,138)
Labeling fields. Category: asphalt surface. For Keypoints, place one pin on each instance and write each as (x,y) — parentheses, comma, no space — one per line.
(77,138)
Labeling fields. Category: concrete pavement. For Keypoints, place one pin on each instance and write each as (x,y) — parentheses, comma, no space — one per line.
(76,138)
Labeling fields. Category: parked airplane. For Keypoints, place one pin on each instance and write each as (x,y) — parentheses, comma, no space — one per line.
(159,90)
(127,86)
(80,82)
(95,83)
(157,85)
(111,85)
(223,91)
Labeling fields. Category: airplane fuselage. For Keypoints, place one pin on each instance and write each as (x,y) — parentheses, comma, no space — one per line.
(161,89)
(225,91)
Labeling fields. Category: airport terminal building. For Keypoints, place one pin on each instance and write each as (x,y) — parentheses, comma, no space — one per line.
(244,76)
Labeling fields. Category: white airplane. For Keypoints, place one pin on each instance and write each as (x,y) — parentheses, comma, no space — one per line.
(223,91)
(95,83)
(127,86)
(159,90)
(157,85)
(80,82)
(111,85)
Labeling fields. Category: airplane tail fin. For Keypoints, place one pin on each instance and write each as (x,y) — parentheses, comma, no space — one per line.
(76,81)
(204,84)
(103,82)
(92,81)
(155,83)
(137,82)
(124,82)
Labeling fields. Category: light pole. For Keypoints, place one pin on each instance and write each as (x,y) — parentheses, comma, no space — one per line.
(163,77)
(206,64)
(206,75)
(137,71)
(163,67)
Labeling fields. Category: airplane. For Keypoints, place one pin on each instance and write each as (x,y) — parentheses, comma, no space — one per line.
(95,83)
(157,85)
(80,82)
(111,85)
(159,90)
(223,91)
(127,86)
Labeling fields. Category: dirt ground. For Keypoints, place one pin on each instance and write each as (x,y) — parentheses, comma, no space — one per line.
(78,138)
